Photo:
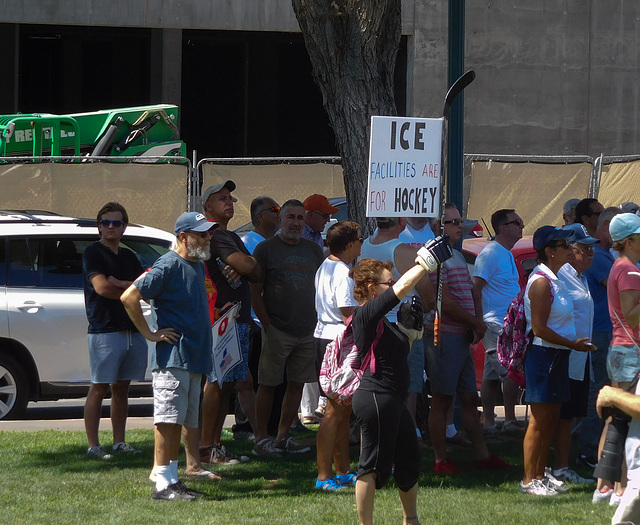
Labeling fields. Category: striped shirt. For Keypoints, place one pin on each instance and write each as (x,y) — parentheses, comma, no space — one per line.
(455,274)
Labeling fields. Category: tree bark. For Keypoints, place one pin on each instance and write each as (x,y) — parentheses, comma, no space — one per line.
(353,46)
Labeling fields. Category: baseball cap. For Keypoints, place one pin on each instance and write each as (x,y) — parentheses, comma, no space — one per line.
(623,225)
(580,234)
(629,207)
(545,234)
(317,202)
(193,222)
(215,188)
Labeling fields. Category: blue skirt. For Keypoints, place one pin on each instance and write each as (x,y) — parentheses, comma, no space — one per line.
(547,374)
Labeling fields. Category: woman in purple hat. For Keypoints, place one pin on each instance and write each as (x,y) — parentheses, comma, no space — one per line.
(550,315)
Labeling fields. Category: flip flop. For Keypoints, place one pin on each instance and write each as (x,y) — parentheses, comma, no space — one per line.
(207,474)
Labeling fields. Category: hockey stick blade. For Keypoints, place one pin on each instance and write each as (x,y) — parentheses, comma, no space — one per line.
(455,90)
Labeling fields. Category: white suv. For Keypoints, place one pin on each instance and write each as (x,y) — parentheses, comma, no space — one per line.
(43,325)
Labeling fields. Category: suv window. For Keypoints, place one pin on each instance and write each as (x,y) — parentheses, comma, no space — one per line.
(50,262)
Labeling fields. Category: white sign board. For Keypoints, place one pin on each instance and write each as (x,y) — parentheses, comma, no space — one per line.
(405,157)
(226,344)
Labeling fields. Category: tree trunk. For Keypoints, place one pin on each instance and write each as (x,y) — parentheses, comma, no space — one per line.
(353,46)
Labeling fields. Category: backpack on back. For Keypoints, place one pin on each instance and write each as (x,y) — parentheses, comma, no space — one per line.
(342,369)
(513,340)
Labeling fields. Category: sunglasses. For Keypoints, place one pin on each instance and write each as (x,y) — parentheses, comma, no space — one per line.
(586,248)
(389,283)
(275,209)
(116,224)
(517,222)
(455,222)
(564,243)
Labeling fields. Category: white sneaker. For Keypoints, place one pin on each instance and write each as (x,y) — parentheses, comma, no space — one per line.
(601,497)
(615,499)
(551,481)
(537,488)
(566,474)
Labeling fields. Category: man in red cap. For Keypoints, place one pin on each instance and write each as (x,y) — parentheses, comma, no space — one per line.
(318,213)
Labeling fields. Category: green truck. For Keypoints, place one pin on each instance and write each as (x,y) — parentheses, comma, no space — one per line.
(149,131)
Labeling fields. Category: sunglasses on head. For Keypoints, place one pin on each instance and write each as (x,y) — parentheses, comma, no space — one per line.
(455,222)
(116,224)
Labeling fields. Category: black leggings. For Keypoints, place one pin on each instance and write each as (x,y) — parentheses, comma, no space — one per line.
(388,439)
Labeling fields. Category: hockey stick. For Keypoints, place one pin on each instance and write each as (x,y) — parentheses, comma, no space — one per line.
(453,92)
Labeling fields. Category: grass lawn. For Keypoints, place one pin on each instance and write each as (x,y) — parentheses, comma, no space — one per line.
(47,479)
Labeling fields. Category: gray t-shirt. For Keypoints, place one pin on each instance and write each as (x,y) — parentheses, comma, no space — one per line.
(288,273)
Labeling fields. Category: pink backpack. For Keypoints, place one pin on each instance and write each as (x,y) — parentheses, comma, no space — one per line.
(513,340)
(342,370)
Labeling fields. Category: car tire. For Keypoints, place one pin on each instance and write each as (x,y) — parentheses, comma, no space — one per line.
(14,388)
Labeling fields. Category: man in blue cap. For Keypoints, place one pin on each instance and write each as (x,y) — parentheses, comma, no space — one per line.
(182,353)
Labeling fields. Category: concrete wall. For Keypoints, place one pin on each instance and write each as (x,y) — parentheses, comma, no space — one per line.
(554,77)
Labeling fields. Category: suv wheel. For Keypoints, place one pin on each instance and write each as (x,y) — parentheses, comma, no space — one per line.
(13,388)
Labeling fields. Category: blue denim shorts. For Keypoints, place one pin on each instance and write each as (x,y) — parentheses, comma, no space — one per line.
(547,374)
(623,363)
(117,356)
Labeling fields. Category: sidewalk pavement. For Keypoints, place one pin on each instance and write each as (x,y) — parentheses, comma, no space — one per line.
(58,421)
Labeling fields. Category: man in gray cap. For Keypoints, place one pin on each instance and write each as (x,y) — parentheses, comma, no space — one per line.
(183,340)
(231,267)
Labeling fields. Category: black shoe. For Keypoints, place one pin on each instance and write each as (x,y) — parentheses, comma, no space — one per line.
(586,461)
(183,489)
(172,493)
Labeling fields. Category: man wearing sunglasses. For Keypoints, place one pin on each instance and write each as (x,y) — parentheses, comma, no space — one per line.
(587,213)
(318,213)
(182,351)
(231,267)
(117,351)
(265,217)
(495,279)
(450,367)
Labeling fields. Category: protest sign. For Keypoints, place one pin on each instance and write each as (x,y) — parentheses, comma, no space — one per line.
(405,159)
(226,344)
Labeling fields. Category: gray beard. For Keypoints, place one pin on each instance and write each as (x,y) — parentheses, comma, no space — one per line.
(292,236)
(196,252)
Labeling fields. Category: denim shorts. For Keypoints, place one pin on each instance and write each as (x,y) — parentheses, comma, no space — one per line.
(176,396)
(117,356)
(623,363)
(239,371)
(547,374)
(450,368)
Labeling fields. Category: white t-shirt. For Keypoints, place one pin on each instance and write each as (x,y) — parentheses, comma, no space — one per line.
(561,315)
(251,240)
(495,264)
(578,289)
(416,238)
(334,290)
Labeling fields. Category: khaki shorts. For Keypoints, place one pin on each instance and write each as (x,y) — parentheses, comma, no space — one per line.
(280,352)
(493,370)
(176,396)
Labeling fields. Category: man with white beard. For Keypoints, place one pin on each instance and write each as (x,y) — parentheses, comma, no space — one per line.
(182,353)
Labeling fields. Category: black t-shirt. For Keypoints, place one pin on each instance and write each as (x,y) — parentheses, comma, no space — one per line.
(107,315)
(392,351)
(223,244)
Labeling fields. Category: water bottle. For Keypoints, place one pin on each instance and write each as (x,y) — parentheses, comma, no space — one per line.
(222,265)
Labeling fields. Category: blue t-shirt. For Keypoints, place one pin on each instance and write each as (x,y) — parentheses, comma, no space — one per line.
(181,302)
(599,271)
